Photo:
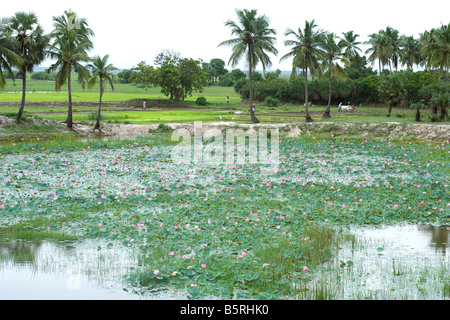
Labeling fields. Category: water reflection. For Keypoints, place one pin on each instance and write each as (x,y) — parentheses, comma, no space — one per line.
(423,238)
(49,270)
(438,237)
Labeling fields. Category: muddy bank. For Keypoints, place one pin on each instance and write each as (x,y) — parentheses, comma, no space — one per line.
(391,130)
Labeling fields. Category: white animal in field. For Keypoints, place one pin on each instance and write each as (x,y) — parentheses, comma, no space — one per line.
(346,108)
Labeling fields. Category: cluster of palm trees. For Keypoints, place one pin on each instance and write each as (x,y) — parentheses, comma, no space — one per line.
(430,50)
(316,52)
(24,45)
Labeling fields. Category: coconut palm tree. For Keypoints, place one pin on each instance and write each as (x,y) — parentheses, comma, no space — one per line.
(394,44)
(306,53)
(380,49)
(254,41)
(69,48)
(350,45)
(428,40)
(8,58)
(30,43)
(440,50)
(101,71)
(410,53)
(333,53)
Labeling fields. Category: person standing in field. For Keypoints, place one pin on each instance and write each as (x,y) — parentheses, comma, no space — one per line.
(144,105)
(228,100)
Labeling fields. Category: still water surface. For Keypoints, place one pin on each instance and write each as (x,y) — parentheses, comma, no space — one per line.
(83,271)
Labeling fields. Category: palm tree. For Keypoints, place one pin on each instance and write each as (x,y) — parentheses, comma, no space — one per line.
(410,54)
(8,58)
(254,39)
(380,49)
(394,44)
(440,50)
(428,40)
(69,49)
(102,71)
(350,45)
(333,53)
(30,44)
(306,53)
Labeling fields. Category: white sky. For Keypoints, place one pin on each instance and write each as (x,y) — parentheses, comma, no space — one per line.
(132,31)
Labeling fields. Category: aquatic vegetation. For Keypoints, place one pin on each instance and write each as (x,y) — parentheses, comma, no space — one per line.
(227,230)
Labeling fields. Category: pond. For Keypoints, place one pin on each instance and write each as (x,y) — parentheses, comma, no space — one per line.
(385,263)
(232,231)
(407,262)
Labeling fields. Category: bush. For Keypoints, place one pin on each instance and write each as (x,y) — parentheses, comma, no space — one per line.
(239,86)
(162,128)
(272,102)
(43,76)
(201,101)
(94,115)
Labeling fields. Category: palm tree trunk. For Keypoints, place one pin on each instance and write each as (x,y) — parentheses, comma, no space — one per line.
(97,124)
(327,114)
(22,103)
(69,120)
(252,114)
(389,111)
(308,117)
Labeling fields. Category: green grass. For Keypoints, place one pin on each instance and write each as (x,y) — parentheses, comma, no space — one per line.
(122,92)
(216,110)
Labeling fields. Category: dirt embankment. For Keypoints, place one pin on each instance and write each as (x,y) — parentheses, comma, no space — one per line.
(390,130)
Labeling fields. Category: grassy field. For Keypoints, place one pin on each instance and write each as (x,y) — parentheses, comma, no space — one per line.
(45,91)
(216,110)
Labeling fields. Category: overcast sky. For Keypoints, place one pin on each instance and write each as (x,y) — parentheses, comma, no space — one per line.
(132,31)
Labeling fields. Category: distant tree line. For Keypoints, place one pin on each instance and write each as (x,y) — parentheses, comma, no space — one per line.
(332,69)
(326,67)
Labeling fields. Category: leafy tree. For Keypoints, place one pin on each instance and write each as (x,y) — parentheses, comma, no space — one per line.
(392,91)
(30,44)
(143,75)
(238,74)
(192,76)
(332,55)
(271,75)
(217,69)
(165,54)
(306,53)
(169,79)
(414,81)
(358,68)
(101,71)
(124,76)
(71,42)
(253,40)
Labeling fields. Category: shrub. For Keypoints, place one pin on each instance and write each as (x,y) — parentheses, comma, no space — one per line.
(239,86)
(162,128)
(272,102)
(201,101)
(94,115)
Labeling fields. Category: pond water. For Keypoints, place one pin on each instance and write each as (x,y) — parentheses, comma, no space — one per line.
(397,262)
(388,262)
(63,271)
